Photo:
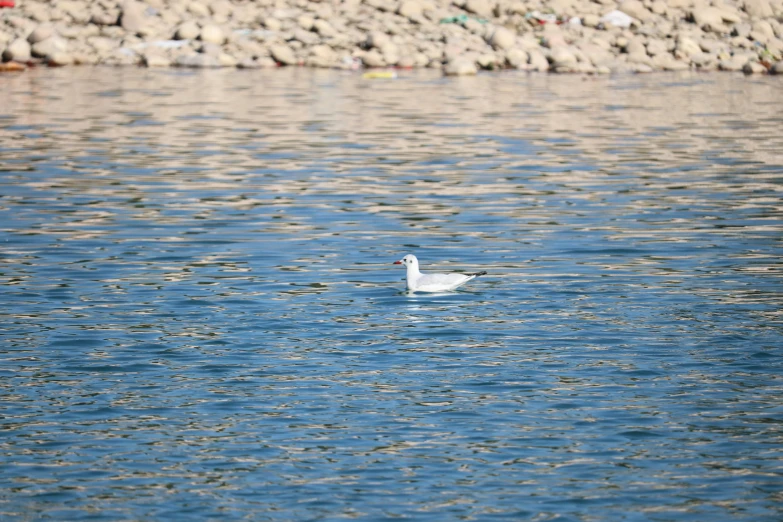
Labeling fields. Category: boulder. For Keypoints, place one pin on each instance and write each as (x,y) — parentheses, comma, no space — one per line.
(133,17)
(18,51)
(213,34)
(460,67)
(283,54)
(502,39)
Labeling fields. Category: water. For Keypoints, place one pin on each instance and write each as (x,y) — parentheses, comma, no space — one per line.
(201,319)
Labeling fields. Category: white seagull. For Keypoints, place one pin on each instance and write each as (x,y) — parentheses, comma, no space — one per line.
(418,282)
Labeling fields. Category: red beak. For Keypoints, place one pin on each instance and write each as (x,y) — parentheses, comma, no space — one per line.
(397,263)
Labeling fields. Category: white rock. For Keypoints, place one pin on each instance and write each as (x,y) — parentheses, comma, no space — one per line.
(373,58)
(635,9)
(562,57)
(49,46)
(482,8)
(18,51)
(538,61)
(283,54)
(460,67)
(754,68)
(133,17)
(155,60)
(410,9)
(187,31)
(517,58)
(758,8)
(40,33)
(212,33)
(502,38)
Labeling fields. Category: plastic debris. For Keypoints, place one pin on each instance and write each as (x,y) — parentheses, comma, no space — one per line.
(380,75)
(617,19)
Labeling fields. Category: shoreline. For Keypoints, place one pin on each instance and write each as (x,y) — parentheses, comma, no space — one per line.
(459,37)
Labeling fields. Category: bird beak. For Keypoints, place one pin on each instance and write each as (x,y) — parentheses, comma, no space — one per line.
(397,263)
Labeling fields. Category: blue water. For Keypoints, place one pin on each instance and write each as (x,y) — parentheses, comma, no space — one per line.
(201,319)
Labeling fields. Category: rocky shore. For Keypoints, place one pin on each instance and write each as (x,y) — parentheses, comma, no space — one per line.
(458,36)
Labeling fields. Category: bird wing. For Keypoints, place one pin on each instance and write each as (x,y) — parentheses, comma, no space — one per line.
(436,282)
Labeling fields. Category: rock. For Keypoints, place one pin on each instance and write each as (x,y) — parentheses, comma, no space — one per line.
(18,51)
(410,9)
(517,58)
(460,67)
(133,17)
(777,68)
(324,28)
(273,24)
(49,46)
(59,59)
(373,59)
(562,57)
(656,47)
(488,62)
(213,34)
(708,18)
(187,31)
(758,8)
(197,61)
(537,61)
(742,30)
(377,39)
(155,60)
(502,38)
(659,7)
(753,68)
(482,8)
(591,20)
(283,54)
(687,47)
(40,33)
(104,18)
(733,63)
(635,9)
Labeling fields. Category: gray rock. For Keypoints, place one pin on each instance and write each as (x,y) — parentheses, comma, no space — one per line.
(18,51)
(777,68)
(283,54)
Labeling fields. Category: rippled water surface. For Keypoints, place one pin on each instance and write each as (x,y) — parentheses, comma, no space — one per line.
(200,318)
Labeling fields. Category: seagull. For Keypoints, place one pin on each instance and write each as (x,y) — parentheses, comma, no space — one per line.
(418,282)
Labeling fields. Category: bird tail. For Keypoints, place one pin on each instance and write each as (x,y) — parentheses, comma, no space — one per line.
(479,274)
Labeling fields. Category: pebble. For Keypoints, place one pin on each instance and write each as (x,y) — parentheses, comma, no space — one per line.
(590,36)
